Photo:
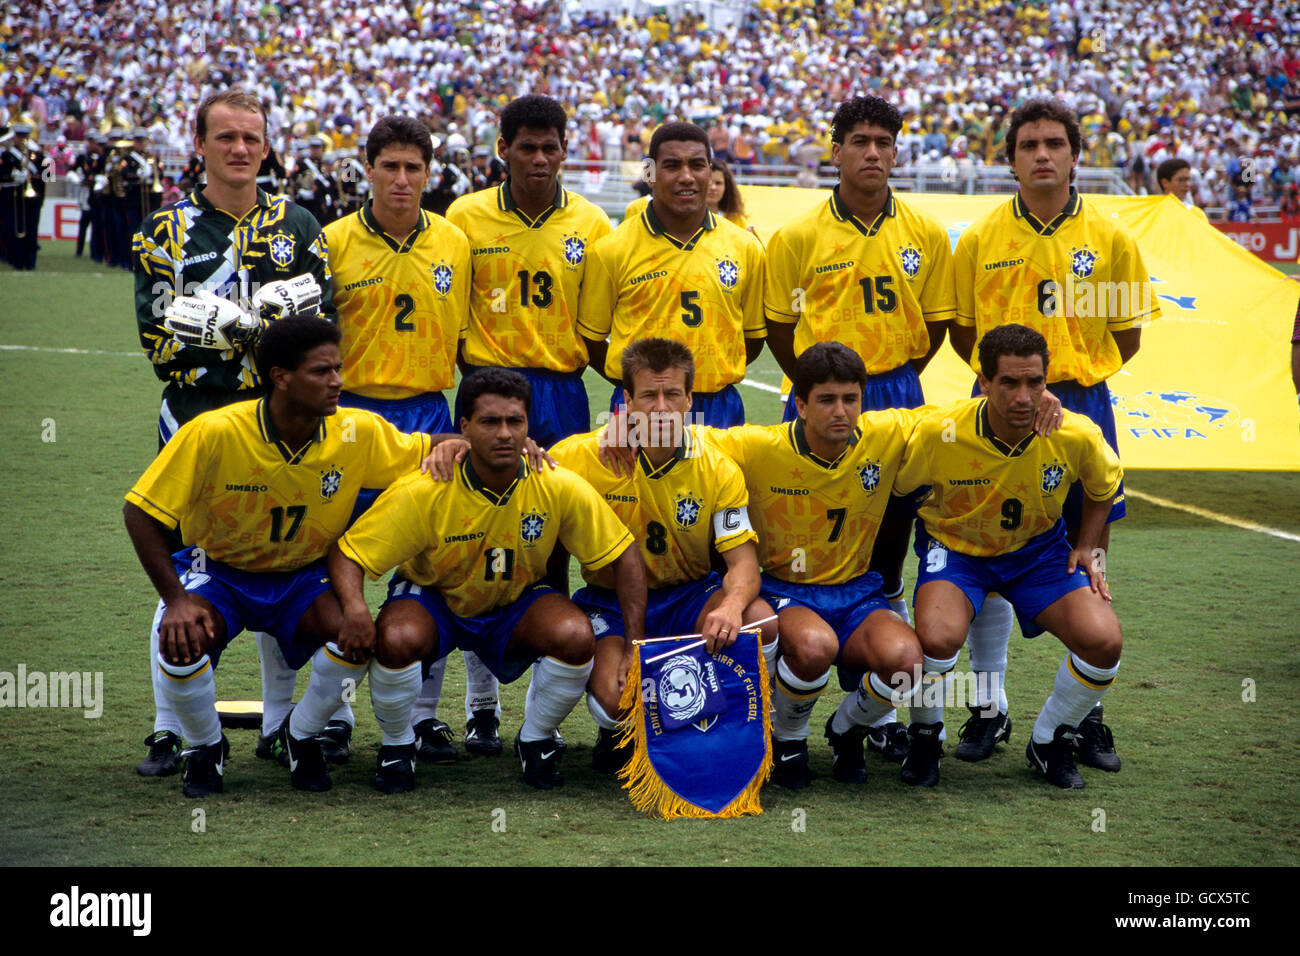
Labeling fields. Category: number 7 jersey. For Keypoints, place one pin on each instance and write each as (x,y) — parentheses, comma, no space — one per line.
(817,520)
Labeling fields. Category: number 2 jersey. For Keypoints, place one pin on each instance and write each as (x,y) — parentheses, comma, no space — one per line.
(817,520)
(481,549)
(403,304)
(989,498)
(674,510)
(248,500)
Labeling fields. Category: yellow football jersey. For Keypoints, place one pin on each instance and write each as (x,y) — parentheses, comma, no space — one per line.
(527,277)
(706,293)
(403,304)
(871,286)
(239,493)
(479,549)
(989,498)
(674,511)
(817,520)
(1075,280)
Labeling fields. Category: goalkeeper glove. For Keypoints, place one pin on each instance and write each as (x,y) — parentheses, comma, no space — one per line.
(210,322)
(285,297)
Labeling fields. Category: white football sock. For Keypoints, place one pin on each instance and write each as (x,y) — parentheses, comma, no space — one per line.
(769,654)
(278,680)
(599,715)
(164,717)
(325,691)
(988,637)
(936,684)
(191,693)
(793,700)
(898,604)
(392,695)
(482,691)
(1079,687)
(868,706)
(426,705)
(553,692)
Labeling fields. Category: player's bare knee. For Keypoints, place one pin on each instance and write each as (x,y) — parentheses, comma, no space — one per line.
(571,640)
(810,655)
(759,610)
(400,645)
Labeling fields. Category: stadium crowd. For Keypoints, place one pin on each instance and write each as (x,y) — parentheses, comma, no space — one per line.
(1214,85)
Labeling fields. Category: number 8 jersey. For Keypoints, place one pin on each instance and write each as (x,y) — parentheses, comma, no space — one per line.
(989,498)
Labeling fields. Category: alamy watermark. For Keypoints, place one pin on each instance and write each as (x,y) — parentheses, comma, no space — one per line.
(82,690)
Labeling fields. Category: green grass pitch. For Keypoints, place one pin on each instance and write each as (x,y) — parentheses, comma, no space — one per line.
(1204,710)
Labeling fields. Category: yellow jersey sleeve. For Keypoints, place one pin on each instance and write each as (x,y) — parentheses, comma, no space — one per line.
(170,485)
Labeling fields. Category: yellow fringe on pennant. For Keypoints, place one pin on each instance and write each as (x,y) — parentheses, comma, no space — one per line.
(646,789)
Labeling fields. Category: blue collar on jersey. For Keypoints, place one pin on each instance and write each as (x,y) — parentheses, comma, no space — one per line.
(1073,206)
(800,442)
(506,203)
(684,450)
(843,214)
(367,217)
(984,428)
(472,481)
(656,228)
(269,435)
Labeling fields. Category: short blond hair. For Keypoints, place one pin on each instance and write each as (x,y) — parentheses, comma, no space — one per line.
(236,99)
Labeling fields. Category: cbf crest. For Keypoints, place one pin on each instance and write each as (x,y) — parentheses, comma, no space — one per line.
(442,274)
(687,510)
(728,272)
(330,482)
(1053,475)
(531,526)
(869,475)
(575,250)
(281,249)
(1083,260)
(909,257)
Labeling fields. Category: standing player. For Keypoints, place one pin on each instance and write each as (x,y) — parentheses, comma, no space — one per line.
(473,553)
(228,238)
(401,277)
(992,522)
(682,498)
(866,269)
(1051,261)
(529,238)
(677,271)
(819,488)
(260,490)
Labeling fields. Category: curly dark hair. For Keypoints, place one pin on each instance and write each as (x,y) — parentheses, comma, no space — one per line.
(286,342)
(494,381)
(864,109)
(1010,339)
(532,112)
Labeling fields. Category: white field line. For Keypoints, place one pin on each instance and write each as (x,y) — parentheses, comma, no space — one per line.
(1212,515)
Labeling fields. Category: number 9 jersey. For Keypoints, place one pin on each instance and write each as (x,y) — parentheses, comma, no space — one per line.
(988,498)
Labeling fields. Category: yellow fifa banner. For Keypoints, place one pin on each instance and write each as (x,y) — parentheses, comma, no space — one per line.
(1211,386)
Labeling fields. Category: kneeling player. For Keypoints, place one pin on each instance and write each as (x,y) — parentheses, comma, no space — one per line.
(819,487)
(682,496)
(473,555)
(993,523)
(262,488)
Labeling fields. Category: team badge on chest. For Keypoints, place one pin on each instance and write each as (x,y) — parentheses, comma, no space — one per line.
(575,249)
(728,272)
(442,274)
(330,482)
(869,475)
(1053,474)
(531,526)
(909,257)
(1082,262)
(281,248)
(688,510)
